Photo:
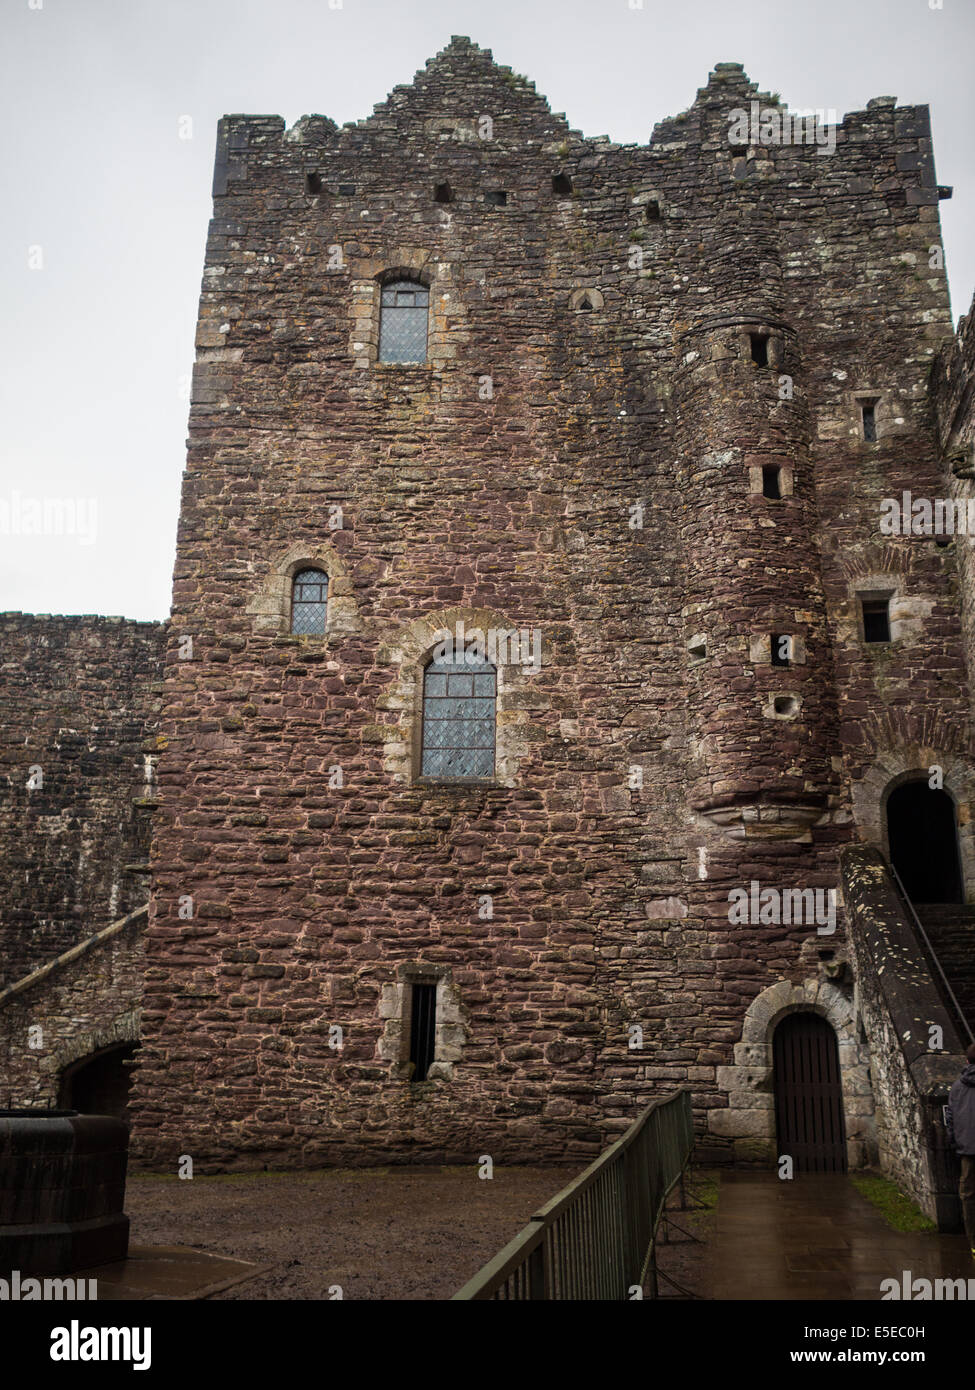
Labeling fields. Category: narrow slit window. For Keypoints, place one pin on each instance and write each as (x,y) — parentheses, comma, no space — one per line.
(868,415)
(759,346)
(771,480)
(423,1029)
(781,649)
(876,619)
(561,185)
(459,715)
(404,312)
(309,603)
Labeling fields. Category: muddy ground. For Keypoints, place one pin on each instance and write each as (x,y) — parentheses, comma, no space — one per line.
(685,1236)
(378,1233)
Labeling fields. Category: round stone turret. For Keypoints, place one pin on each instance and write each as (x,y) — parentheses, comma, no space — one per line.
(755,637)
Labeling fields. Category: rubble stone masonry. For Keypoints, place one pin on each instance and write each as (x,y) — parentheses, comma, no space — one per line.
(78,698)
(582,455)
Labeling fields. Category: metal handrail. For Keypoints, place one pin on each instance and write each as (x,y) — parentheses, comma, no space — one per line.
(933,955)
(596,1238)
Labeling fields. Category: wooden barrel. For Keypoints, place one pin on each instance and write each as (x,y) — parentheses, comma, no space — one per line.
(62,1191)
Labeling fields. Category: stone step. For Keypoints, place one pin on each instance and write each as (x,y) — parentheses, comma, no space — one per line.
(945,912)
(950,927)
(960,951)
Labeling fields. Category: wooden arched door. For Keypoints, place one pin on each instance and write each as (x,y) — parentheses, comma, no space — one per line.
(809,1122)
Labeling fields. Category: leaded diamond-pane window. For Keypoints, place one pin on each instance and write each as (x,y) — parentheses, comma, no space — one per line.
(308,603)
(403,313)
(458,719)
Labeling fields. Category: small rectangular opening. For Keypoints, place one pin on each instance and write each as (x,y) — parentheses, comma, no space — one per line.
(561,185)
(781,649)
(697,648)
(347,190)
(443,193)
(868,413)
(313,184)
(771,480)
(652,210)
(759,345)
(497,197)
(876,619)
(423,1029)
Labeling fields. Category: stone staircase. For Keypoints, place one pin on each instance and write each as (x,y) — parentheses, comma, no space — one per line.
(951,931)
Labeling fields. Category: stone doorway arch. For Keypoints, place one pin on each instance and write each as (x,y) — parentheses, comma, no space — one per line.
(749,1119)
(922,838)
(909,763)
(99,1083)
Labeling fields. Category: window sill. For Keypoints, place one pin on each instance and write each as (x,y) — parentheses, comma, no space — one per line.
(455,783)
(305,646)
(403,366)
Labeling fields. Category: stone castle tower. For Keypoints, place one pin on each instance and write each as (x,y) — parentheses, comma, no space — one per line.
(620,421)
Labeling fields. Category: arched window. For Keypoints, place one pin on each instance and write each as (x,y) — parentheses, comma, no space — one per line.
(459,702)
(403,313)
(309,594)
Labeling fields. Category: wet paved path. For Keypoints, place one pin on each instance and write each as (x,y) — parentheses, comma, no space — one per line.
(816,1237)
(168,1271)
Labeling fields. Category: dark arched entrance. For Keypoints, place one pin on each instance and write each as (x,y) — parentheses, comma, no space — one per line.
(809,1123)
(923,839)
(99,1083)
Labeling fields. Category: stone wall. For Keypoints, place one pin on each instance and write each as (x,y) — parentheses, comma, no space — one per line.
(898,1005)
(953,389)
(78,702)
(536,472)
(77,1004)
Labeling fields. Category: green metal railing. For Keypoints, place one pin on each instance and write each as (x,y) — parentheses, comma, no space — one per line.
(596,1238)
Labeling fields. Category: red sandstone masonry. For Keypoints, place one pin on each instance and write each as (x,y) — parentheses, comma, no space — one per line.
(610,902)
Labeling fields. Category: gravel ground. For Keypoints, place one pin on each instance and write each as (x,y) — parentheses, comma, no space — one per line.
(380,1233)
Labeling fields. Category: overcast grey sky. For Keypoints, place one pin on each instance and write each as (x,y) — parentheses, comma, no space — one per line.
(105,203)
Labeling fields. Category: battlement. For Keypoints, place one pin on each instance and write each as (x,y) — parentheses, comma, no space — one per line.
(462,97)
